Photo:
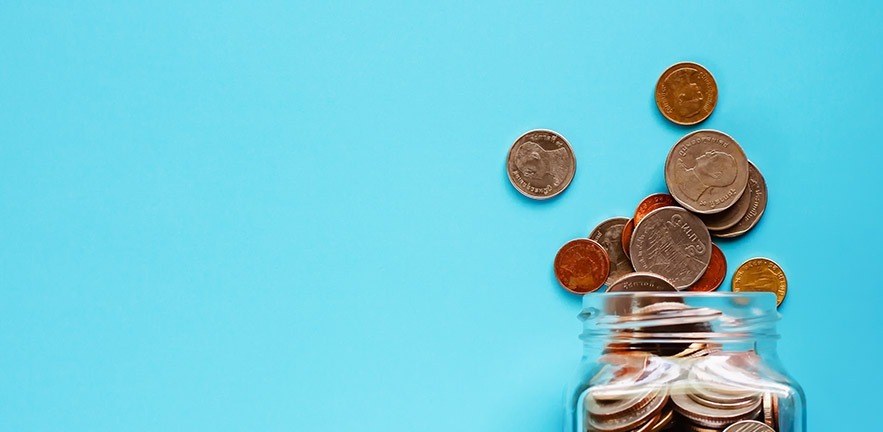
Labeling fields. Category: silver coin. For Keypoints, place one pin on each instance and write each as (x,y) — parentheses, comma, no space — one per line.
(706,171)
(630,419)
(731,216)
(672,243)
(641,282)
(757,199)
(712,417)
(749,426)
(540,164)
(609,235)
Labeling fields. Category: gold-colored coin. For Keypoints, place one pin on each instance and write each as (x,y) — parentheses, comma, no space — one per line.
(761,275)
(686,93)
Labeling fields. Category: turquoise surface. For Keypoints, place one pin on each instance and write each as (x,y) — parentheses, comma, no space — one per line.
(277,216)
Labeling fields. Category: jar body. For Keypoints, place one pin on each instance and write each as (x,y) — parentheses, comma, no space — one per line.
(691,362)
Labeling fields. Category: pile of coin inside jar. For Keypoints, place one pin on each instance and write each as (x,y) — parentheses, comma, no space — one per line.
(665,246)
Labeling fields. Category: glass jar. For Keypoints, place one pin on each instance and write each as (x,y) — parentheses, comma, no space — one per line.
(682,362)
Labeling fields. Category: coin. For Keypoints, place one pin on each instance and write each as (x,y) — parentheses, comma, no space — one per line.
(641,282)
(714,274)
(756,204)
(541,164)
(735,213)
(761,275)
(749,426)
(582,266)
(686,93)
(706,171)
(609,235)
(651,203)
(627,231)
(672,243)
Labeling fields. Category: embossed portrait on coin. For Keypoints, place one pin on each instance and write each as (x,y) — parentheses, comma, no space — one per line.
(611,240)
(541,167)
(711,169)
(687,93)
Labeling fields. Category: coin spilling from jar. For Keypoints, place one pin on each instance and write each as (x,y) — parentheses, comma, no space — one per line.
(677,385)
(714,191)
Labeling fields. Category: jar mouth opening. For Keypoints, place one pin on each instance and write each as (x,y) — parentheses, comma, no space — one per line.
(679,316)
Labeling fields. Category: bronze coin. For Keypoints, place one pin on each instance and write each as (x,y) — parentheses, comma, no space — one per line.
(653,202)
(582,266)
(541,164)
(627,232)
(761,275)
(714,274)
(686,93)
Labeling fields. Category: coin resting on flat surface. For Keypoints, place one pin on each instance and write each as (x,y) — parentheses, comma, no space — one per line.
(706,171)
(672,243)
(715,273)
(761,275)
(652,202)
(686,93)
(609,235)
(754,202)
(541,164)
(581,266)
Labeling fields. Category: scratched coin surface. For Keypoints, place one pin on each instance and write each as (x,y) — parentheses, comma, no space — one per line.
(749,426)
(672,243)
(755,203)
(706,171)
(686,93)
(609,235)
(651,203)
(541,164)
(582,266)
(761,275)
(714,274)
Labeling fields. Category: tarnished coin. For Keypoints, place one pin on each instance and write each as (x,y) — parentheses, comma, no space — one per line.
(714,274)
(755,204)
(627,232)
(706,171)
(672,243)
(541,164)
(686,93)
(582,266)
(761,275)
(609,235)
(641,282)
(651,203)
(749,426)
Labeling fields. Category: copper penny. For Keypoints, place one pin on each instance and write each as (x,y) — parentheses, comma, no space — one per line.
(686,93)
(582,266)
(761,275)
(627,232)
(714,274)
(653,202)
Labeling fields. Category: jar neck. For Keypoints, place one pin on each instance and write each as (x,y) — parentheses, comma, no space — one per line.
(685,324)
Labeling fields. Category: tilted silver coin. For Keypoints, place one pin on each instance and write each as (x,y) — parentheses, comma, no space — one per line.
(641,282)
(757,199)
(732,215)
(749,426)
(672,243)
(540,164)
(609,235)
(706,171)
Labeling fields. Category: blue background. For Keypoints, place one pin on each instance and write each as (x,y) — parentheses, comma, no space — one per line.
(268,216)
